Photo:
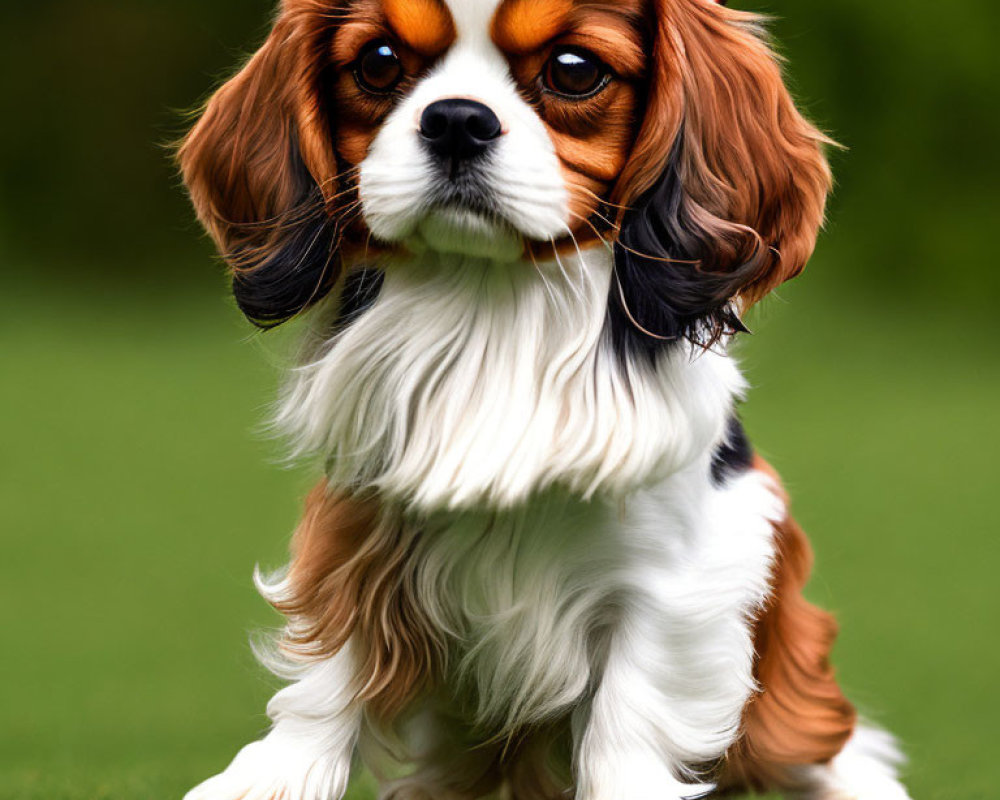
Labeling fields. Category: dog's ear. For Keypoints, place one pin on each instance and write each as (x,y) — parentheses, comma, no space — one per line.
(261,170)
(726,187)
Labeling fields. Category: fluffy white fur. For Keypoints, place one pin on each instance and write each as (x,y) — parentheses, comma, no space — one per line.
(868,767)
(307,755)
(569,541)
(472,382)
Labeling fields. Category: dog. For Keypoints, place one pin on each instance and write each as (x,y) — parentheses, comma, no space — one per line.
(544,559)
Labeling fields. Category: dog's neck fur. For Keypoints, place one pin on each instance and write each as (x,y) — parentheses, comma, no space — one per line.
(469,383)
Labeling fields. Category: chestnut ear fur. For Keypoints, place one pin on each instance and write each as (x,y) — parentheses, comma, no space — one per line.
(726,187)
(260,168)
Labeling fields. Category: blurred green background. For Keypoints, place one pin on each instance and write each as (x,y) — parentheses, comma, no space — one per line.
(136,495)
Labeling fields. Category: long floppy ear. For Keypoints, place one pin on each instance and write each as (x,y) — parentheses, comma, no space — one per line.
(262,174)
(726,187)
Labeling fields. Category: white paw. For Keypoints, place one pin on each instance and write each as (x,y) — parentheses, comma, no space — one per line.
(867,769)
(270,770)
(641,780)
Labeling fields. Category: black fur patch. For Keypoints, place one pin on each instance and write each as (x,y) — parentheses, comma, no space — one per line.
(288,264)
(668,286)
(361,289)
(734,456)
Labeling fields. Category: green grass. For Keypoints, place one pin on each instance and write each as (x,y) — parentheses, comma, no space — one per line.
(135,499)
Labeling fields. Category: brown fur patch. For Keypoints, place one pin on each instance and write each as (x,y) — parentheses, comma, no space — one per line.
(237,159)
(425,25)
(800,716)
(349,577)
(523,26)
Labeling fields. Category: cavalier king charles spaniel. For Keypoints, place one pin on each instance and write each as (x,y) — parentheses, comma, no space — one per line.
(544,560)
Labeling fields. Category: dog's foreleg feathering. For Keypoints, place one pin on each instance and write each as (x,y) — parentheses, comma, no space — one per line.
(318,717)
(308,753)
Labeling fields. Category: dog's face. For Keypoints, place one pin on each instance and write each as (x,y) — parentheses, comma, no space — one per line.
(510,126)
(500,128)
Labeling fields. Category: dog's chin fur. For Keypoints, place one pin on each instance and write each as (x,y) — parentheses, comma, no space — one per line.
(471,382)
(465,235)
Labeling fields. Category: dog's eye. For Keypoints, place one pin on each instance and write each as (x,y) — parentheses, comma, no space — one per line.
(575,73)
(378,68)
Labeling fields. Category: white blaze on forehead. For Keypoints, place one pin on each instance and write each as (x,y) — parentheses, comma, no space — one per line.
(474,67)
(473,19)
(474,51)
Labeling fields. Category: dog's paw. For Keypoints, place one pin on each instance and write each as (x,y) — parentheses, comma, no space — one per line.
(645,785)
(637,779)
(867,769)
(268,770)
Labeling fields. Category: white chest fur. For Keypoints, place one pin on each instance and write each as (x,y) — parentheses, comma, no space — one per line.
(471,383)
(521,593)
(547,601)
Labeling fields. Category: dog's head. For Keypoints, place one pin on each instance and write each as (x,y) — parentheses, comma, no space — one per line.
(499,128)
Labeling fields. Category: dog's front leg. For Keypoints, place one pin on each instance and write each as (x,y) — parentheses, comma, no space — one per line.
(669,700)
(307,755)
(679,661)
(630,747)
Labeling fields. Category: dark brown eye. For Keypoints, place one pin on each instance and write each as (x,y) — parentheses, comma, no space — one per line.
(378,68)
(575,73)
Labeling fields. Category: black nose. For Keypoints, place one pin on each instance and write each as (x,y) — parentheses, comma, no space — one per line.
(457,128)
